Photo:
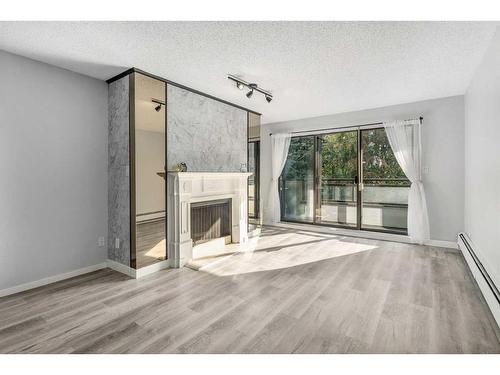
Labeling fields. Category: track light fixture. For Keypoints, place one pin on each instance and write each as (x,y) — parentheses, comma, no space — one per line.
(159,102)
(241,84)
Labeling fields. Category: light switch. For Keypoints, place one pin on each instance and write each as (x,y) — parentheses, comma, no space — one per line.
(100,241)
(425,169)
(117,243)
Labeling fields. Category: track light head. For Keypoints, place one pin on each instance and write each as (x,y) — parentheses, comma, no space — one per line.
(158,107)
(251,86)
(240,85)
(269,98)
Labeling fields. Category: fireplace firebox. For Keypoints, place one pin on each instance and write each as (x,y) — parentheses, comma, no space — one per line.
(211,220)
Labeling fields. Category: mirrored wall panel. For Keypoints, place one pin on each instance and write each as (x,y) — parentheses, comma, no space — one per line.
(253,180)
(149,170)
(254,209)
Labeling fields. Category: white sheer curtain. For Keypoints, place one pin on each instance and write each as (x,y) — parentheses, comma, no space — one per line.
(279,151)
(405,140)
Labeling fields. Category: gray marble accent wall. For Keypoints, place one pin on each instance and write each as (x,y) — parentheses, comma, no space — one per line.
(118,171)
(208,135)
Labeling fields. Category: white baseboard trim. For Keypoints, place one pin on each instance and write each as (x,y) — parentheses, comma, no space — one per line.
(129,271)
(133,273)
(158,266)
(141,272)
(51,279)
(361,234)
(440,243)
(481,281)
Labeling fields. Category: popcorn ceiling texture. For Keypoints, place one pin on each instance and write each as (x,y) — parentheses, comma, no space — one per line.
(312,68)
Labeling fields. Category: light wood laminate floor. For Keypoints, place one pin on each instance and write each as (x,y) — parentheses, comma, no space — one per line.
(291,292)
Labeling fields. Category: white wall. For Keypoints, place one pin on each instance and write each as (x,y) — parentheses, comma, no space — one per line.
(149,159)
(53,170)
(482,160)
(442,139)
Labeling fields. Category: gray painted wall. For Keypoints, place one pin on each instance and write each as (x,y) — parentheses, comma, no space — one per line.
(442,139)
(118,172)
(482,160)
(53,168)
(209,136)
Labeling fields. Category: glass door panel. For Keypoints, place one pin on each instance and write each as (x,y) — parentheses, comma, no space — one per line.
(253,180)
(297,181)
(338,170)
(319,183)
(385,186)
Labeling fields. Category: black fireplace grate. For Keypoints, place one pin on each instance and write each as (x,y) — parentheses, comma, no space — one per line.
(210,220)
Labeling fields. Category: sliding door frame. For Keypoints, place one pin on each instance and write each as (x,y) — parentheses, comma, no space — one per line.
(359,182)
(317,180)
(256,177)
(361,178)
(281,186)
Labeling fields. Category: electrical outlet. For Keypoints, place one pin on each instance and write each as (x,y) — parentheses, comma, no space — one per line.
(100,241)
(117,243)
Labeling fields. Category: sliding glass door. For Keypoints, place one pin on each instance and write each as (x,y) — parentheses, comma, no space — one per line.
(385,187)
(254,179)
(297,181)
(346,178)
(338,170)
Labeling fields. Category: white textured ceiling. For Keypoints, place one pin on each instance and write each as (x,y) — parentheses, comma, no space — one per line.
(312,68)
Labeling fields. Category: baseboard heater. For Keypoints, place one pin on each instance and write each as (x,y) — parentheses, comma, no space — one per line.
(487,285)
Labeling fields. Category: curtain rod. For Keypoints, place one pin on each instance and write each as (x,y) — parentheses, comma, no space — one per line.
(342,127)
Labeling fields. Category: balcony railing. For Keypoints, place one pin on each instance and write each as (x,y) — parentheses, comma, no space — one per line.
(385,200)
(377,191)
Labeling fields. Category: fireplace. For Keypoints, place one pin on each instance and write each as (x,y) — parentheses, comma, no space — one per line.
(202,206)
(211,220)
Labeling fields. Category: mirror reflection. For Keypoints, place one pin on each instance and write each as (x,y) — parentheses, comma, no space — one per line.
(254,217)
(149,170)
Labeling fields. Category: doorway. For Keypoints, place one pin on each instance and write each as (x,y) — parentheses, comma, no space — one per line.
(254,179)
(345,178)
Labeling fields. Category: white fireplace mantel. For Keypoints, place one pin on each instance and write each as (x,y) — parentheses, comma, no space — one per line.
(185,188)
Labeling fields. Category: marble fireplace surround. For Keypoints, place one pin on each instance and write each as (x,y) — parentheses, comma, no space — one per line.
(185,188)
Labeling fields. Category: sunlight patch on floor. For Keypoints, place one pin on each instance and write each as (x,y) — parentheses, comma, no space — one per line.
(279,253)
